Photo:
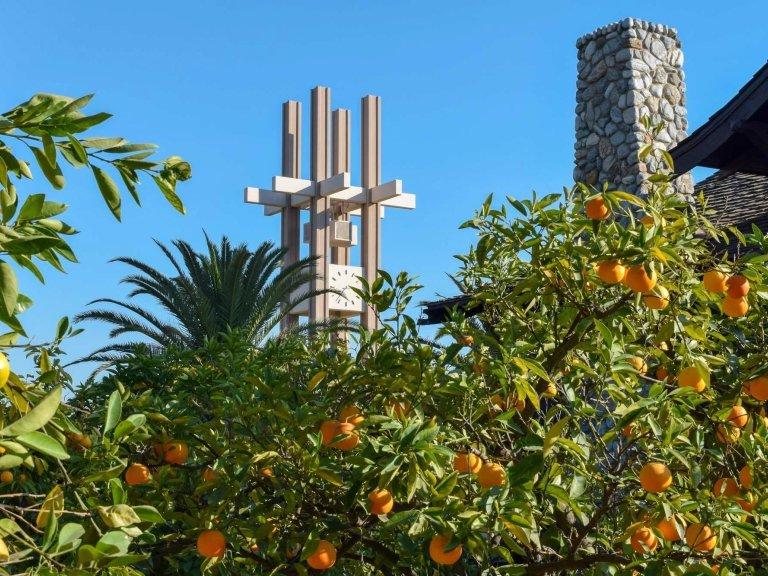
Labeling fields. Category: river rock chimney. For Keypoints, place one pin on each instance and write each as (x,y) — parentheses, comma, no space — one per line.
(627,70)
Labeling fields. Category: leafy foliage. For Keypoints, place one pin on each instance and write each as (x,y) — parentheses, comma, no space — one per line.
(226,288)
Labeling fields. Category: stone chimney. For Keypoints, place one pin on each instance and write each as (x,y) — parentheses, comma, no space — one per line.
(627,70)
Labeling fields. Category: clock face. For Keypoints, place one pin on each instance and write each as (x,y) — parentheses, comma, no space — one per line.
(341,279)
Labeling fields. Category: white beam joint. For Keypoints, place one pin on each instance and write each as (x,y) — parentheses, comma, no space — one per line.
(386,191)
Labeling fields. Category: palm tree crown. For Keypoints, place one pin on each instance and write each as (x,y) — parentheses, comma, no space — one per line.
(211,293)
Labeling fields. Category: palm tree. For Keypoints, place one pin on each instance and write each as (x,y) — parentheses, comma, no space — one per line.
(211,293)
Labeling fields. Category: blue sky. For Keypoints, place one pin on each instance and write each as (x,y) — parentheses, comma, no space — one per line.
(477,98)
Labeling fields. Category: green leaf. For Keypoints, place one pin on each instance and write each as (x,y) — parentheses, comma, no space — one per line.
(129,425)
(49,148)
(10,288)
(78,150)
(36,418)
(107,474)
(108,190)
(53,504)
(114,411)
(52,172)
(149,514)
(554,433)
(118,515)
(170,194)
(8,461)
(43,443)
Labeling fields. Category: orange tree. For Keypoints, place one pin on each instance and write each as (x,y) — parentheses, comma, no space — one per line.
(60,513)
(603,415)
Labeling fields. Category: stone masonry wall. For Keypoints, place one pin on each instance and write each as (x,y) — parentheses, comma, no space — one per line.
(627,70)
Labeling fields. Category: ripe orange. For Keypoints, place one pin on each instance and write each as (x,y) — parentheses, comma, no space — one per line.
(727,434)
(747,503)
(745,477)
(656,299)
(323,557)
(549,392)
(211,543)
(661,373)
(758,388)
(267,472)
(700,537)
(5,369)
(466,340)
(209,474)
(597,209)
(83,441)
(381,501)
(175,452)
(137,474)
(638,280)
(440,555)
(351,437)
(638,364)
(467,463)
(491,474)
(611,271)
(512,400)
(351,414)
(669,530)
(629,430)
(738,286)
(738,416)
(690,377)
(725,488)
(6,477)
(328,431)
(655,477)
(735,307)
(647,220)
(714,281)
(643,539)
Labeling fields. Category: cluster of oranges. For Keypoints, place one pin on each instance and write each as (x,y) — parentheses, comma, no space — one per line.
(489,474)
(344,428)
(734,287)
(637,279)
(171,452)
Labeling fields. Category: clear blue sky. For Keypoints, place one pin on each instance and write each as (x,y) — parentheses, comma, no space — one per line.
(477,98)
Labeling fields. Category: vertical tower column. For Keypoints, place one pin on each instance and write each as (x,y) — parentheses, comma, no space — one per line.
(627,70)
(371,213)
(340,162)
(290,218)
(319,209)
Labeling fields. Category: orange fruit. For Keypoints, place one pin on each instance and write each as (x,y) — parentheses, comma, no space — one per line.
(328,431)
(611,271)
(351,414)
(440,555)
(549,392)
(6,477)
(267,472)
(727,434)
(668,529)
(629,430)
(381,501)
(638,364)
(137,474)
(656,299)
(700,537)
(714,281)
(735,307)
(690,377)
(647,220)
(209,474)
(5,369)
(661,373)
(175,452)
(725,488)
(467,463)
(159,449)
(655,477)
(643,539)
(738,416)
(491,474)
(758,388)
(638,280)
(512,400)
(81,440)
(466,340)
(747,503)
(351,437)
(738,286)
(745,477)
(323,557)
(211,544)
